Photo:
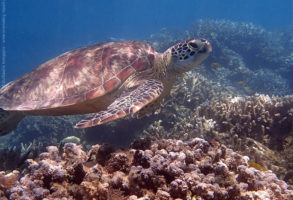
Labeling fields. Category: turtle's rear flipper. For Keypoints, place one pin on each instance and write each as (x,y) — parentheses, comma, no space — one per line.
(9,121)
(130,102)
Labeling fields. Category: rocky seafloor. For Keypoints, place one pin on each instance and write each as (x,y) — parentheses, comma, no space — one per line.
(239,98)
(163,169)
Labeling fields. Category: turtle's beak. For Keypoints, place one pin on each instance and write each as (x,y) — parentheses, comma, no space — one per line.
(208,47)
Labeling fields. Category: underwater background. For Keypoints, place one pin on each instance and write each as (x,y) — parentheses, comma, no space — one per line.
(39,30)
(241,96)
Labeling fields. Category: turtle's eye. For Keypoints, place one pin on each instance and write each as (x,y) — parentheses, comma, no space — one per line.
(194,45)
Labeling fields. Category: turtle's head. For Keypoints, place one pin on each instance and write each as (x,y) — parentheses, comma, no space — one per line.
(188,54)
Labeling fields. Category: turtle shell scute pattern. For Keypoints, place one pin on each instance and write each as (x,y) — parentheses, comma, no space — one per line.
(77,76)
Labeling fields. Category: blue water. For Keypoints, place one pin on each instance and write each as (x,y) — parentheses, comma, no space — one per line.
(37,30)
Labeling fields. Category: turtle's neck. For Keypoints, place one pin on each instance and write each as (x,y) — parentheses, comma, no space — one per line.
(162,64)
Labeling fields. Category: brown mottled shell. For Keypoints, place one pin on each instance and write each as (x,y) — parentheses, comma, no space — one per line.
(76,76)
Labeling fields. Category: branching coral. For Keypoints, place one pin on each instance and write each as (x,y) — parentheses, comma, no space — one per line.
(189,92)
(263,118)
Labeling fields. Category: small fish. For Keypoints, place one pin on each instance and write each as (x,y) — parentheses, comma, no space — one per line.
(256,166)
(241,82)
(215,64)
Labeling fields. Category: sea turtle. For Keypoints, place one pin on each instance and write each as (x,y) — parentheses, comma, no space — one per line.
(112,80)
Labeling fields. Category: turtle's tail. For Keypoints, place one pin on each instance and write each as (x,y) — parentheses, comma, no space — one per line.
(9,121)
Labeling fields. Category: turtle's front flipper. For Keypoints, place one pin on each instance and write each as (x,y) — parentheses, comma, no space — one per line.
(128,103)
(9,121)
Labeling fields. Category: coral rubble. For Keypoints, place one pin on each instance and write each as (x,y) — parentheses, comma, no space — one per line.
(164,169)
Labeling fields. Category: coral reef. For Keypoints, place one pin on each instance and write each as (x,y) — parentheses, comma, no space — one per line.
(266,119)
(175,116)
(14,157)
(165,169)
(188,93)
(257,126)
(45,129)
